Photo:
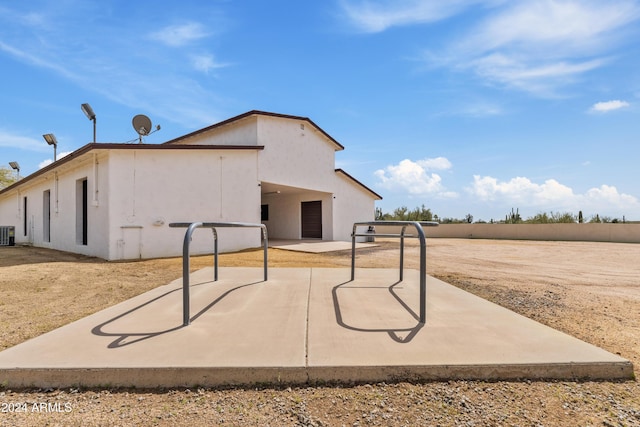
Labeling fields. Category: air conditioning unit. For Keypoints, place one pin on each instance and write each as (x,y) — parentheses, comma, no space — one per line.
(7,235)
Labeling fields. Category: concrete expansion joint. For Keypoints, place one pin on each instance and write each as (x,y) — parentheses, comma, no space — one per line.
(306,330)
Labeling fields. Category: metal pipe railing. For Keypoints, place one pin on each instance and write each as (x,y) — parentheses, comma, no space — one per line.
(186,259)
(423,252)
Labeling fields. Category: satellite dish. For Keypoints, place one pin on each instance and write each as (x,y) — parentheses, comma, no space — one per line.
(142,125)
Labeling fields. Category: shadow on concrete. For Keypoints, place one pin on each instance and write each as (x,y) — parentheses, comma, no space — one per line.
(121,341)
(394,333)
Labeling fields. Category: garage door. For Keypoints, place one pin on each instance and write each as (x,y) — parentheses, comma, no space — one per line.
(312,220)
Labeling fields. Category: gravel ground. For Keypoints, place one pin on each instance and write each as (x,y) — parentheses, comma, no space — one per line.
(589,290)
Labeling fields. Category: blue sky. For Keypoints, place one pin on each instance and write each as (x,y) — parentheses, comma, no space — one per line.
(463,106)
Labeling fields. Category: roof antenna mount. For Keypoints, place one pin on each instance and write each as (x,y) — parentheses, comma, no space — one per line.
(142,125)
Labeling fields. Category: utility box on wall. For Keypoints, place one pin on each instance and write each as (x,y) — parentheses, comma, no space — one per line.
(7,235)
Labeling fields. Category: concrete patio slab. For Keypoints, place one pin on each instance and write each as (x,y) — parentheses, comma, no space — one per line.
(372,324)
(316,246)
(302,325)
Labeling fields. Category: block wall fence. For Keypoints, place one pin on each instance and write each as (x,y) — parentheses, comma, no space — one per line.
(608,232)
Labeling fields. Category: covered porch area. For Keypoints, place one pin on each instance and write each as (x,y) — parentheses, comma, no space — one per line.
(294,213)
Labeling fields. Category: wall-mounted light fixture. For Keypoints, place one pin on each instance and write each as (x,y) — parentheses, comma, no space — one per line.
(51,140)
(88,111)
(15,166)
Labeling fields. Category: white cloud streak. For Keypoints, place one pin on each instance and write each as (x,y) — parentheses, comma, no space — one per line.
(180,35)
(554,28)
(172,95)
(38,59)
(542,46)
(535,46)
(205,63)
(607,106)
(103,61)
(11,140)
(376,16)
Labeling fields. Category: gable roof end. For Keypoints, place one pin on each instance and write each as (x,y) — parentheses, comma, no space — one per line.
(337,145)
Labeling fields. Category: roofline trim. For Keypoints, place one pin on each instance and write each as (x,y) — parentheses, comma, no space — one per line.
(339,146)
(378,197)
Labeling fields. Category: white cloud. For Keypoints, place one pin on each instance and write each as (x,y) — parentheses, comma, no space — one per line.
(534,46)
(606,194)
(520,189)
(550,195)
(180,35)
(414,178)
(38,59)
(528,75)
(540,46)
(45,163)
(482,110)
(606,106)
(205,63)
(438,163)
(172,96)
(49,161)
(8,139)
(373,17)
(566,27)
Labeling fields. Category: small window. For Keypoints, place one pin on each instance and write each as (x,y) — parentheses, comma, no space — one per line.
(46,216)
(82,212)
(264,213)
(25,222)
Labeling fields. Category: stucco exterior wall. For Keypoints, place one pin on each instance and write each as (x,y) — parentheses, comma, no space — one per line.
(133,195)
(295,154)
(351,204)
(160,187)
(9,210)
(63,187)
(624,233)
(242,132)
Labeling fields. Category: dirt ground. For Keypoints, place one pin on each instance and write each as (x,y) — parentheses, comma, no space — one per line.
(588,290)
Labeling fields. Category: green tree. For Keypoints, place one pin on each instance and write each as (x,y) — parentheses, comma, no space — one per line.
(420,214)
(539,218)
(404,214)
(7,177)
(400,214)
(565,218)
(552,218)
(603,219)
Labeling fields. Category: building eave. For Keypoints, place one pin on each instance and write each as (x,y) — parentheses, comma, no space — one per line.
(336,144)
